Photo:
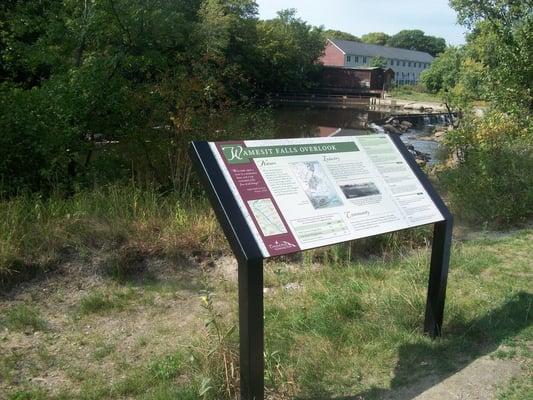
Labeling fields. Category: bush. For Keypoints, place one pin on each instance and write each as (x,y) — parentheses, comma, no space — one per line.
(492,179)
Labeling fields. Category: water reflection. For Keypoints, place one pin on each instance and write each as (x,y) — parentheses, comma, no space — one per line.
(294,122)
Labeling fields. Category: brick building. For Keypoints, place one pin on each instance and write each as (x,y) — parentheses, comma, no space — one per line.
(406,64)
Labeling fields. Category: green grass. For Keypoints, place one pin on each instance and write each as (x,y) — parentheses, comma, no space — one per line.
(350,328)
(125,221)
(22,318)
(414,93)
(519,388)
(355,324)
(101,302)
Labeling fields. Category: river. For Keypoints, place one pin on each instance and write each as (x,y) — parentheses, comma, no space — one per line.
(294,122)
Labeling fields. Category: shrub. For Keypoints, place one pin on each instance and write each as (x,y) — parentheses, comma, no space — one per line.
(492,179)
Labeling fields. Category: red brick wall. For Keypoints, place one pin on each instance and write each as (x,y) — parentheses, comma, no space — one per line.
(332,56)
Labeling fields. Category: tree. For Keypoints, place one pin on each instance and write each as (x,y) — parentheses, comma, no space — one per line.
(288,52)
(456,77)
(500,40)
(379,62)
(444,71)
(333,34)
(416,40)
(379,38)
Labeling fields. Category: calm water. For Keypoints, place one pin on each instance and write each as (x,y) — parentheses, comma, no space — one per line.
(152,160)
(294,122)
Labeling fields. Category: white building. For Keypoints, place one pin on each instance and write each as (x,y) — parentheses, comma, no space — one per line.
(406,64)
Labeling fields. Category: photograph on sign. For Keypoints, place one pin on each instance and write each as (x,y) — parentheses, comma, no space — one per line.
(298,194)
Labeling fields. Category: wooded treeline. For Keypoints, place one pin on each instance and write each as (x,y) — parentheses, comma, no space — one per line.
(412,39)
(491,178)
(74,70)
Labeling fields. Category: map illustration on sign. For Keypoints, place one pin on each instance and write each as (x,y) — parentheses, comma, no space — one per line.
(299,194)
(316,184)
(267,217)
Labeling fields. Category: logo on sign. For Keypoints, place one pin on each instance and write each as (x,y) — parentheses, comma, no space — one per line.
(281,245)
(233,153)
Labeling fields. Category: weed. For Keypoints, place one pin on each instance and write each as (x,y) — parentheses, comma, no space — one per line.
(38,233)
(31,394)
(100,302)
(519,389)
(103,350)
(97,302)
(167,368)
(142,341)
(23,317)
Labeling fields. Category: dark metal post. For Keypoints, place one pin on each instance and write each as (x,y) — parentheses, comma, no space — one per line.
(438,276)
(251,329)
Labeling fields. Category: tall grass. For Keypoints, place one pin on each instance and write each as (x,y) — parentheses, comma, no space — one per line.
(36,232)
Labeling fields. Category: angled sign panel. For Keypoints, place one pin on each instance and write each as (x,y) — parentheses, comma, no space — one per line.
(298,194)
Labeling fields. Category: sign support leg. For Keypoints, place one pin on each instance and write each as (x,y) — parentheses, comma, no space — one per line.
(251,329)
(438,276)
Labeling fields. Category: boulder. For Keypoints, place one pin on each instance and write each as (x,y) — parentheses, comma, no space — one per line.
(391,129)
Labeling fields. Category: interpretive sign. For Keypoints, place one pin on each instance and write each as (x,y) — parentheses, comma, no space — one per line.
(297,194)
(275,197)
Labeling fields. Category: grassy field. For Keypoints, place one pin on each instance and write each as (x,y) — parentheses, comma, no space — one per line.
(166,328)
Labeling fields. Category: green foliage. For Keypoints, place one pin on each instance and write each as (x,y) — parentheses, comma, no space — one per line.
(76,74)
(168,367)
(379,61)
(493,179)
(288,49)
(379,38)
(496,63)
(415,39)
(444,71)
(334,34)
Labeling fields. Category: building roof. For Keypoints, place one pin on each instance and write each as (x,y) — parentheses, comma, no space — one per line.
(373,50)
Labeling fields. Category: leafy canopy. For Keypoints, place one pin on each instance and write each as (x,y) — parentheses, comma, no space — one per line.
(379,38)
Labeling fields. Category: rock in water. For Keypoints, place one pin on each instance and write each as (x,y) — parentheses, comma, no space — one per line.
(391,129)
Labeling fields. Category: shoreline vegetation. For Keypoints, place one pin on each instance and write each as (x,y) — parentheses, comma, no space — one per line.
(122,220)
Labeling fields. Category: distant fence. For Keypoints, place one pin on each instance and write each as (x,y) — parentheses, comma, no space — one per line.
(331,99)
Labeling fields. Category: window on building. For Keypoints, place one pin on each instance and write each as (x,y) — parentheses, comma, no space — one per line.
(364,59)
(356,59)
(391,61)
(409,64)
(348,58)
(404,63)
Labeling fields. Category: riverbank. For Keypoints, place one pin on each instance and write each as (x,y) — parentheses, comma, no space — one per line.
(333,327)
(121,223)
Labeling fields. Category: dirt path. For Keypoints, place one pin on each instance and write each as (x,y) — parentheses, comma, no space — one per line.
(480,380)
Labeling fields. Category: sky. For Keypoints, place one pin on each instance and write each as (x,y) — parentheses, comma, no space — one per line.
(434,17)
